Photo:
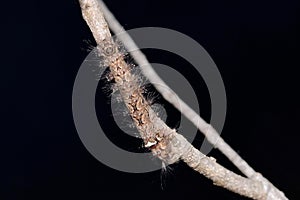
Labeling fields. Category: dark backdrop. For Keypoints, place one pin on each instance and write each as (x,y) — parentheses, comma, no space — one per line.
(255,45)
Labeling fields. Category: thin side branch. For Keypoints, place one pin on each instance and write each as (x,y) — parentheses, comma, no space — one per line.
(168,145)
(209,132)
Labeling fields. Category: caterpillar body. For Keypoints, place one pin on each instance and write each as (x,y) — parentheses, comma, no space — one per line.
(128,81)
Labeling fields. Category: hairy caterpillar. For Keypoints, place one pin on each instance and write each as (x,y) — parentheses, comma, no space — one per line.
(130,84)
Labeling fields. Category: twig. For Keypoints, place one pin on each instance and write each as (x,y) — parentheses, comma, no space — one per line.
(163,141)
(210,133)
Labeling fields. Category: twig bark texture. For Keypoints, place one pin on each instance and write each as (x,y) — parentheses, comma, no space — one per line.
(164,142)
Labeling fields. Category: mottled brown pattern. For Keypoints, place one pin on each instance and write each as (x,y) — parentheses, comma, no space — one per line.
(129,88)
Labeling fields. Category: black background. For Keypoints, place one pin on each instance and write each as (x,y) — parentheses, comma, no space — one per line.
(255,45)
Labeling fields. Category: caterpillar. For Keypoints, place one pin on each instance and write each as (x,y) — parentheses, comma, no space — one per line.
(129,83)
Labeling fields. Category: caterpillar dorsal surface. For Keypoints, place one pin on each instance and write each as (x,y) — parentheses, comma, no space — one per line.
(129,83)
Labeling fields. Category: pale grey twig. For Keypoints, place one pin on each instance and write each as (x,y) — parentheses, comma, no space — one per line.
(210,133)
(165,142)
